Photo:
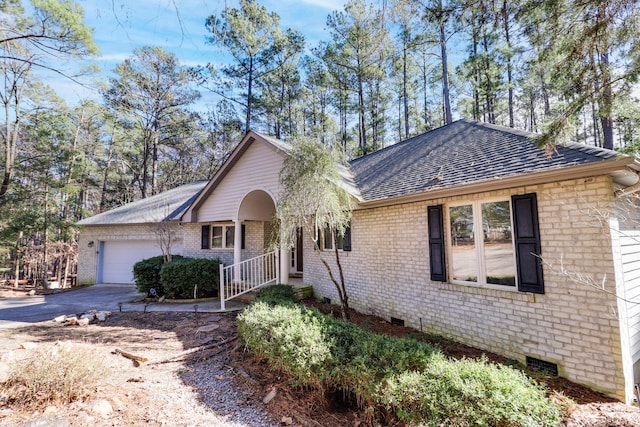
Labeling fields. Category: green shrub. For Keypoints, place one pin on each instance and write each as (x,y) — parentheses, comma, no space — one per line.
(57,373)
(405,377)
(276,295)
(293,339)
(181,278)
(469,392)
(146,273)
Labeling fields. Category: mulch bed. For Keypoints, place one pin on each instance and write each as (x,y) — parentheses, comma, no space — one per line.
(309,407)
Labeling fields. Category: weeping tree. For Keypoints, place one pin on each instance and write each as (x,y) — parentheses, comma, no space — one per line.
(314,198)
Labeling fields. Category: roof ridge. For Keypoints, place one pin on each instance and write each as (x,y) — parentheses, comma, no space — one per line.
(572,145)
(405,141)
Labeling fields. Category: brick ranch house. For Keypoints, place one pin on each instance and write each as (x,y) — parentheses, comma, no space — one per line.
(468,231)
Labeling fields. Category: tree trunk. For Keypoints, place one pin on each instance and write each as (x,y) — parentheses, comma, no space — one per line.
(362,137)
(154,159)
(17,266)
(505,17)
(45,260)
(405,95)
(247,122)
(606,107)
(107,166)
(342,289)
(445,75)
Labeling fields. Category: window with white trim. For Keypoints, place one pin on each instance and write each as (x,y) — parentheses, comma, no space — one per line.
(219,236)
(475,250)
(481,244)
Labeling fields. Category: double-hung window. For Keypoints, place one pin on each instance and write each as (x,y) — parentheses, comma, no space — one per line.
(492,243)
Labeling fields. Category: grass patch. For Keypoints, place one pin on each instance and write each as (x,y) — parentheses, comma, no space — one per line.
(60,373)
(391,377)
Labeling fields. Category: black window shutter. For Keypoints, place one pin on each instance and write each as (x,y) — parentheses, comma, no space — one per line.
(527,243)
(437,264)
(205,237)
(244,231)
(347,239)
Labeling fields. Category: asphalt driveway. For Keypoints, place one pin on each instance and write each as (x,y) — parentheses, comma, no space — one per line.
(38,308)
(15,312)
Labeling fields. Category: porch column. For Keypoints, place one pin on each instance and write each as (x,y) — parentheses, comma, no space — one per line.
(237,249)
(285,259)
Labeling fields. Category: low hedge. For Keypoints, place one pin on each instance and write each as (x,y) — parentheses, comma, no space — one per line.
(409,379)
(276,294)
(146,273)
(191,278)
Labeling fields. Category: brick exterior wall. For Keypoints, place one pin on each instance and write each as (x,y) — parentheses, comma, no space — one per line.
(573,324)
(255,234)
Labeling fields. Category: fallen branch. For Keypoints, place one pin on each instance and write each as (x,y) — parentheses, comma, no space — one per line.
(175,357)
(247,377)
(131,356)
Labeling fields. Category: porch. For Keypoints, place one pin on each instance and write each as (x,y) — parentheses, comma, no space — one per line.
(245,277)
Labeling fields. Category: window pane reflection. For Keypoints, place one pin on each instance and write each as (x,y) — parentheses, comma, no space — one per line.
(498,243)
(216,240)
(230,234)
(463,244)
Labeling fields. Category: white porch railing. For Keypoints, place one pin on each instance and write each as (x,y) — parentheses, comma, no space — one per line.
(238,279)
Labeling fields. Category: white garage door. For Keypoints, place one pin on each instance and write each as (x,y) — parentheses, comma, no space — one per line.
(118,258)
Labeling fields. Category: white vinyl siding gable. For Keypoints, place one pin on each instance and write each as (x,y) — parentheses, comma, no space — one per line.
(630,254)
(258,168)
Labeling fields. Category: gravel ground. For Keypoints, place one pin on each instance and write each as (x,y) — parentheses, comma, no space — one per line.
(199,389)
(216,384)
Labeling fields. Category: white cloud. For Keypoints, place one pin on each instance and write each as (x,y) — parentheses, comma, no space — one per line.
(326,4)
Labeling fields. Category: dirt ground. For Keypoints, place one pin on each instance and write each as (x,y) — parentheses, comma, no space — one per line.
(203,376)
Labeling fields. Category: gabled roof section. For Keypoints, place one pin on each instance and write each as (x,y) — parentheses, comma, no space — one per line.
(465,153)
(166,206)
(236,154)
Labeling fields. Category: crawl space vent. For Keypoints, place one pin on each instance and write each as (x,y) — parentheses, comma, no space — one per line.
(542,366)
(397,321)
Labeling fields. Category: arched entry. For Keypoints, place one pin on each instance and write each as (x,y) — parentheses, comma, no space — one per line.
(260,206)
(257,205)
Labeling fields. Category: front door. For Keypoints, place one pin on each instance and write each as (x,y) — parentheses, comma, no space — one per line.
(296,255)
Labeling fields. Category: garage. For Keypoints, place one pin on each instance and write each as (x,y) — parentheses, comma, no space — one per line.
(117,257)
(111,242)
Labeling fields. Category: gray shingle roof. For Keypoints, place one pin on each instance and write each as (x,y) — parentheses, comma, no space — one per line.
(463,152)
(166,206)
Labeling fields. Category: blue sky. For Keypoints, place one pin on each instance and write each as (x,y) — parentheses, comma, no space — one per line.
(120,26)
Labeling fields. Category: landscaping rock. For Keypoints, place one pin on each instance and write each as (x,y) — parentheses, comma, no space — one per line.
(28,345)
(47,421)
(269,397)
(102,408)
(5,372)
(101,316)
